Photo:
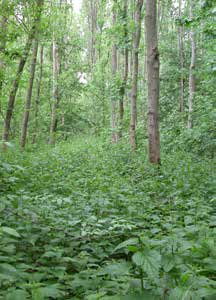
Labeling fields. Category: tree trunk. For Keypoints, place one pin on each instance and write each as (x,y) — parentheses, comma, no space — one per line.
(114,70)
(56,98)
(19,72)
(3,29)
(144,86)
(37,101)
(125,79)
(153,66)
(138,19)
(192,79)
(93,12)
(181,58)
(29,95)
(131,62)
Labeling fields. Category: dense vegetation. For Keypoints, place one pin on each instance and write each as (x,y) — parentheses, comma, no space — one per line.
(88,209)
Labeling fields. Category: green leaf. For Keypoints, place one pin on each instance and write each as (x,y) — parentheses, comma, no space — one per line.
(168,262)
(7,271)
(51,291)
(206,292)
(50,254)
(143,296)
(117,269)
(96,296)
(149,261)
(17,295)
(10,231)
(37,294)
(2,206)
(182,293)
(210,263)
(130,242)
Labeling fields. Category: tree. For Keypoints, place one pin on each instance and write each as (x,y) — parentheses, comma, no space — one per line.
(192,78)
(23,59)
(136,42)
(29,94)
(153,65)
(3,29)
(93,13)
(91,9)
(125,75)
(56,96)
(114,71)
(38,95)
(181,57)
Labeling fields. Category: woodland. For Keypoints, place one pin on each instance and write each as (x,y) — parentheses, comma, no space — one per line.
(107,149)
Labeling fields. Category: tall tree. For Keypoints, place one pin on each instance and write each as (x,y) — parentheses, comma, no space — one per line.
(153,66)
(56,96)
(136,42)
(114,73)
(3,28)
(125,75)
(132,16)
(38,95)
(23,59)
(181,56)
(93,13)
(29,94)
(192,78)
(91,10)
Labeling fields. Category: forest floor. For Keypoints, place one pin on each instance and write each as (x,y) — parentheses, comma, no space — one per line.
(89,220)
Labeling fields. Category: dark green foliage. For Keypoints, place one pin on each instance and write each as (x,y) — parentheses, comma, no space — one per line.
(89,220)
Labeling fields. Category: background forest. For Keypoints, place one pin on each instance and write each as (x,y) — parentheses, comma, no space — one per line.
(107,118)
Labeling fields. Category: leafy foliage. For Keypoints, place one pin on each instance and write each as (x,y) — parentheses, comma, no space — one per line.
(97,222)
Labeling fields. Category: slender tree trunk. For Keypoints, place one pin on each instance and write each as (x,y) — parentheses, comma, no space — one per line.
(29,95)
(114,71)
(89,39)
(138,19)
(125,79)
(19,72)
(144,85)
(93,12)
(3,29)
(181,58)
(192,79)
(131,62)
(56,98)
(153,66)
(37,101)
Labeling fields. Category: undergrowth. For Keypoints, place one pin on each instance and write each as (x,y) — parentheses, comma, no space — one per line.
(88,220)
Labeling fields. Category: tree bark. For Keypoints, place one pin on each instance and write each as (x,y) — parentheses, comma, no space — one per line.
(181,58)
(192,78)
(2,52)
(15,86)
(153,66)
(125,76)
(144,86)
(138,19)
(37,101)
(114,71)
(93,7)
(56,96)
(29,95)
